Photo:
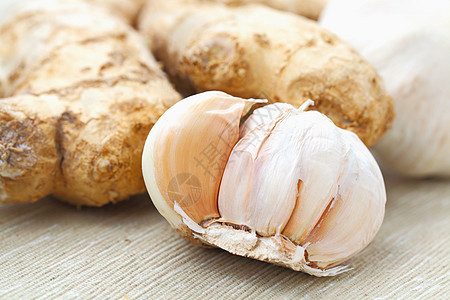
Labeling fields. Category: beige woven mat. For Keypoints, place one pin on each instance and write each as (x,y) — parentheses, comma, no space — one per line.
(51,250)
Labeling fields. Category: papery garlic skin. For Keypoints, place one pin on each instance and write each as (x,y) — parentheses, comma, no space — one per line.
(295,190)
(173,145)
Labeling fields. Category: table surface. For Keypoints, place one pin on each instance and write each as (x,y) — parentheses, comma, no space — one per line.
(49,249)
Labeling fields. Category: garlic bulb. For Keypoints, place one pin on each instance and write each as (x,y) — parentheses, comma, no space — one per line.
(287,186)
(408,42)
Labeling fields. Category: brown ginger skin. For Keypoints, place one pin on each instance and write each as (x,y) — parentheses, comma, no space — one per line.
(259,52)
(78,107)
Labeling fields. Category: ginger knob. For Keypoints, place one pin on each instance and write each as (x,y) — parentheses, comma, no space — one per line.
(284,186)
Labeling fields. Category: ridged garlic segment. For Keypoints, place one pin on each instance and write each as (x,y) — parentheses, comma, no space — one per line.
(289,186)
(173,158)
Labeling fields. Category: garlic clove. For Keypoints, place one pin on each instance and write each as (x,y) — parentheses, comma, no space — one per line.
(248,193)
(300,177)
(264,115)
(186,152)
(320,167)
(258,169)
(356,212)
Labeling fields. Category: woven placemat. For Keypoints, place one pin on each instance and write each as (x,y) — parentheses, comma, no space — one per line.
(128,251)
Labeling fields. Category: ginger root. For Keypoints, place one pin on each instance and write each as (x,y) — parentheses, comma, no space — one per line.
(258,52)
(83,92)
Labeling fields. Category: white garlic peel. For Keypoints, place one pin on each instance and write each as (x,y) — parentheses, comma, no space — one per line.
(408,42)
(291,187)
